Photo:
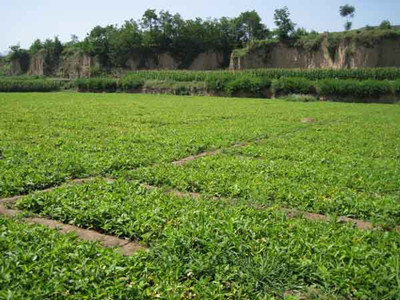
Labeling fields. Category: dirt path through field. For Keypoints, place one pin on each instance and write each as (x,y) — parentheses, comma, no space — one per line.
(125,247)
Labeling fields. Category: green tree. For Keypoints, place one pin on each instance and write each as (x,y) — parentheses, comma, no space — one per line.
(123,42)
(248,26)
(347,11)
(74,39)
(21,56)
(385,25)
(36,46)
(150,20)
(98,43)
(284,23)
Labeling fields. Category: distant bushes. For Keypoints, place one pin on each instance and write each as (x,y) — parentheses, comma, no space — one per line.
(29,85)
(130,83)
(311,74)
(220,83)
(96,85)
(248,85)
(357,89)
(289,85)
(175,87)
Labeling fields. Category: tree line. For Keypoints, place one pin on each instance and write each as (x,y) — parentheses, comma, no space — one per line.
(158,32)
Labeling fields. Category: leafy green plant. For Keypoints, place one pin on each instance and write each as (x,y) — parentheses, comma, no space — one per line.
(292,86)
(96,85)
(247,84)
(240,246)
(198,245)
(28,85)
(356,89)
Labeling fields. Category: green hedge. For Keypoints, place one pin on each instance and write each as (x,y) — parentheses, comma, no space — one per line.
(96,85)
(29,85)
(288,86)
(396,88)
(129,83)
(175,87)
(252,85)
(311,74)
(358,89)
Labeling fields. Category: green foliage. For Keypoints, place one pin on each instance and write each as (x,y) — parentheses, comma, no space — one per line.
(308,41)
(287,86)
(357,83)
(333,45)
(347,11)
(20,56)
(385,25)
(5,66)
(15,84)
(50,51)
(159,32)
(353,88)
(97,85)
(284,23)
(203,248)
(312,74)
(247,84)
(248,27)
(130,83)
(198,245)
(396,88)
(175,87)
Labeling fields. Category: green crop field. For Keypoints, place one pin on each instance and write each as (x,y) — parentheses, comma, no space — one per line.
(235,239)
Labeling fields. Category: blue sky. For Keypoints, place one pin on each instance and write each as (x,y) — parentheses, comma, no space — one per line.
(22,21)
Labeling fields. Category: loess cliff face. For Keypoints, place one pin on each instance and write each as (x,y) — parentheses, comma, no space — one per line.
(347,54)
(76,65)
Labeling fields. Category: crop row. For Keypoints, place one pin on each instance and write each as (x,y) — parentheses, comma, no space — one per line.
(312,74)
(29,85)
(216,250)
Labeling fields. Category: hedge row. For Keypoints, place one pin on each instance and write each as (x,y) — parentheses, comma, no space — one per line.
(29,85)
(244,85)
(337,87)
(311,74)
(96,85)
(247,85)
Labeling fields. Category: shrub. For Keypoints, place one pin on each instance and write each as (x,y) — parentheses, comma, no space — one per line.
(218,82)
(292,86)
(29,85)
(396,88)
(96,85)
(361,89)
(175,87)
(130,83)
(248,84)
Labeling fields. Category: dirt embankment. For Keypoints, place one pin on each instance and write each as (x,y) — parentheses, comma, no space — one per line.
(76,65)
(347,54)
